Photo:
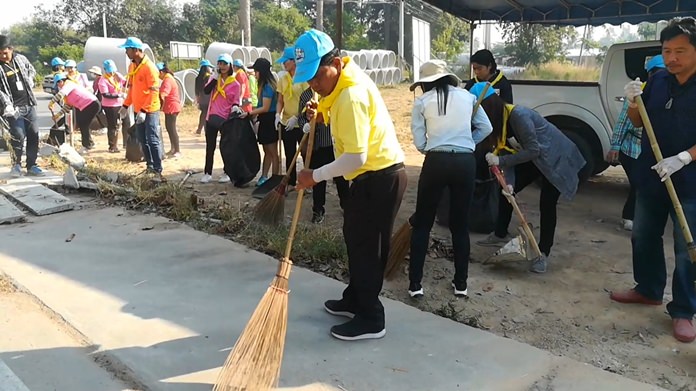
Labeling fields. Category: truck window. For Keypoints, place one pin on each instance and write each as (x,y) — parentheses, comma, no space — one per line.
(635,60)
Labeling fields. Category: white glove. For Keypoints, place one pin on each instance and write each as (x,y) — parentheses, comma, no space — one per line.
(236,110)
(277,120)
(633,89)
(123,112)
(666,167)
(10,111)
(305,128)
(508,190)
(514,144)
(492,159)
(140,118)
(292,123)
(244,114)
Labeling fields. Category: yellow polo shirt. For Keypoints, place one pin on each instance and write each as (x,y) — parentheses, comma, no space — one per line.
(360,121)
(291,95)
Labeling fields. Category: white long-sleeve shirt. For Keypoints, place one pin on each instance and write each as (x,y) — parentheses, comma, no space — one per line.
(452,131)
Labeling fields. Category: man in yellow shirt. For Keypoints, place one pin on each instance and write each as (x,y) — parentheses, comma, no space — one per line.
(143,94)
(368,154)
(287,109)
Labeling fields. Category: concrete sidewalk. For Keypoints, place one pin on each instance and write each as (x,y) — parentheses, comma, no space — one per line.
(168,302)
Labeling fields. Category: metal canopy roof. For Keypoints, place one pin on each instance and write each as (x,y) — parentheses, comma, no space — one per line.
(567,12)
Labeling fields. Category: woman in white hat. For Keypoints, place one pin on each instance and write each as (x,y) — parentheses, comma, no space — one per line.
(446,130)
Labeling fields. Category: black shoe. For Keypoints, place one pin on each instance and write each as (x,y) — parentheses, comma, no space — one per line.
(460,289)
(317,217)
(338,308)
(415,289)
(357,329)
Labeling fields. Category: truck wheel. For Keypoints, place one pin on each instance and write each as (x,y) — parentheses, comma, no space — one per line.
(586,152)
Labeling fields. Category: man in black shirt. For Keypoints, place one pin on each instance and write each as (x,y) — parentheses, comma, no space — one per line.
(18,106)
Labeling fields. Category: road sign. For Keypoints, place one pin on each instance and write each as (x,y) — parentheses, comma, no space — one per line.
(186,50)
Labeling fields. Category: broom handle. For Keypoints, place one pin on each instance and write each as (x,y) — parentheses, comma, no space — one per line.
(511,199)
(303,142)
(285,271)
(691,247)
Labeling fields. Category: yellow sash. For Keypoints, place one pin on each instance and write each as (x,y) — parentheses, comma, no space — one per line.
(220,87)
(502,142)
(110,79)
(132,73)
(495,81)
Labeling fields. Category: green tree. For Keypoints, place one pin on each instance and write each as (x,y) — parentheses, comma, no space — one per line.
(275,27)
(451,36)
(534,44)
(647,31)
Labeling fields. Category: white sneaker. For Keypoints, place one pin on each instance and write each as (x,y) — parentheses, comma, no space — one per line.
(224,179)
(460,292)
(628,225)
(206,178)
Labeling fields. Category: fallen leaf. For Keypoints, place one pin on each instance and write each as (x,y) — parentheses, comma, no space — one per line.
(70,238)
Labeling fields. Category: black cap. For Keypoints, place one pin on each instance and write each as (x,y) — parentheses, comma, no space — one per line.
(261,64)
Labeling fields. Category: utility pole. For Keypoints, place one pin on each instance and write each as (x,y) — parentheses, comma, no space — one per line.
(320,15)
(104,22)
(401,30)
(339,24)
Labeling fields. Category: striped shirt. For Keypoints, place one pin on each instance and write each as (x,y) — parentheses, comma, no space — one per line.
(322,133)
(626,137)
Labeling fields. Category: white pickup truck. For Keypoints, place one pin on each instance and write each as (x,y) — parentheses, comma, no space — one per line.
(587,111)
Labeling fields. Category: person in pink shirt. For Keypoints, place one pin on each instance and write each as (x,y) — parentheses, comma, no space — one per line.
(72,95)
(75,75)
(110,87)
(225,93)
(171,106)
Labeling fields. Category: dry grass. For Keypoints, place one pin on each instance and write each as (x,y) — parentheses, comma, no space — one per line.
(560,71)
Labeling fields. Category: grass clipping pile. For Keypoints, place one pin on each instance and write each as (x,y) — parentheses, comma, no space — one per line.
(316,247)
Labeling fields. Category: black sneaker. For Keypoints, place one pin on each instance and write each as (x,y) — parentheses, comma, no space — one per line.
(317,217)
(460,289)
(357,329)
(415,289)
(338,308)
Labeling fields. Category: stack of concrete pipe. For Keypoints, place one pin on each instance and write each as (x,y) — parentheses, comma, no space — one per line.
(380,65)
(187,84)
(248,54)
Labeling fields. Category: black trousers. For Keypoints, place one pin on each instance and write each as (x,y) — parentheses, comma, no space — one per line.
(630,204)
(525,174)
(321,157)
(170,125)
(441,170)
(291,140)
(370,209)
(112,125)
(212,127)
(84,118)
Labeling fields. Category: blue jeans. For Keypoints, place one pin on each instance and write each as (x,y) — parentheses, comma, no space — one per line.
(148,134)
(22,128)
(649,268)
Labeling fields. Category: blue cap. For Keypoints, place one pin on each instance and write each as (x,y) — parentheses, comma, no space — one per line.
(70,64)
(238,63)
(655,62)
(225,57)
(310,47)
(57,61)
(132,43)
(58,77)
(160,66)
(288,54)
(477,89)
(205,63)
(110,66)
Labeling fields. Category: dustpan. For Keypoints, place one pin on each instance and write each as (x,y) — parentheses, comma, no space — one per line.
(516,250)
(267,186)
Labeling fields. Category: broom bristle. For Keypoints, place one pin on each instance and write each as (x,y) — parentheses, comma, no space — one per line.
(254,362)
(271,208)
(398,249)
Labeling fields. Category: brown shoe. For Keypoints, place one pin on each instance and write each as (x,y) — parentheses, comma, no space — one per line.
(632,297)
(683,330)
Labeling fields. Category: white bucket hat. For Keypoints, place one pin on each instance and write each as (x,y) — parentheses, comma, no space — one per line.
(96,70)
(435,70)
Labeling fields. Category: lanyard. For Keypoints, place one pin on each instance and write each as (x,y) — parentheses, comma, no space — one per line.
(221,87)
(13,69)
(503,140)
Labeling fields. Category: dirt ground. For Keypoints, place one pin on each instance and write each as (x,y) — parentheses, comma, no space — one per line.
(566,311)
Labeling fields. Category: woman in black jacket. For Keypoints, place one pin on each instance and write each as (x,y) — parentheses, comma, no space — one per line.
(485,69)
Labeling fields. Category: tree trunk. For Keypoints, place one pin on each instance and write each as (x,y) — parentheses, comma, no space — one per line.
(320,15)
(245,21)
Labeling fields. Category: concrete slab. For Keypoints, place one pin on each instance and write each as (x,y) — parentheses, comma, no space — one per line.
(169,302)
(10,381)
(36,197)
(9,213)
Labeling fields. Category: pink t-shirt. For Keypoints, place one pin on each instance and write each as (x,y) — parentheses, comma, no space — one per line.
(222,105)
(76,95)
(112,86)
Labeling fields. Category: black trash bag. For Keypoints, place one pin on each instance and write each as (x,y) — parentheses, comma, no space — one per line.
(134,149)
(239,150)
(483,211)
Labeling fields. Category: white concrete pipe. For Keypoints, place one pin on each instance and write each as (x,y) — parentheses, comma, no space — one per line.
(372,57)
(215,49)
(388,76)
(373,75)
(396,77)
(363,60)
(253,54)
(187,77)
(383,58)
(392,59)
(344,53)
(265,53)
(379,77)
(182,93)
(98,49)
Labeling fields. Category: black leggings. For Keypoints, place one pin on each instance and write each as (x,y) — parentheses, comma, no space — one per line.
(525,174)
(84,118)
(441,170)
(170,125)
(291,140)
(112,125)
(212,127)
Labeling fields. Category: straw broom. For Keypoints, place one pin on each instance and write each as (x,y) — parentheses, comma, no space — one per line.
(271,208)
(254,362)
(401,240)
